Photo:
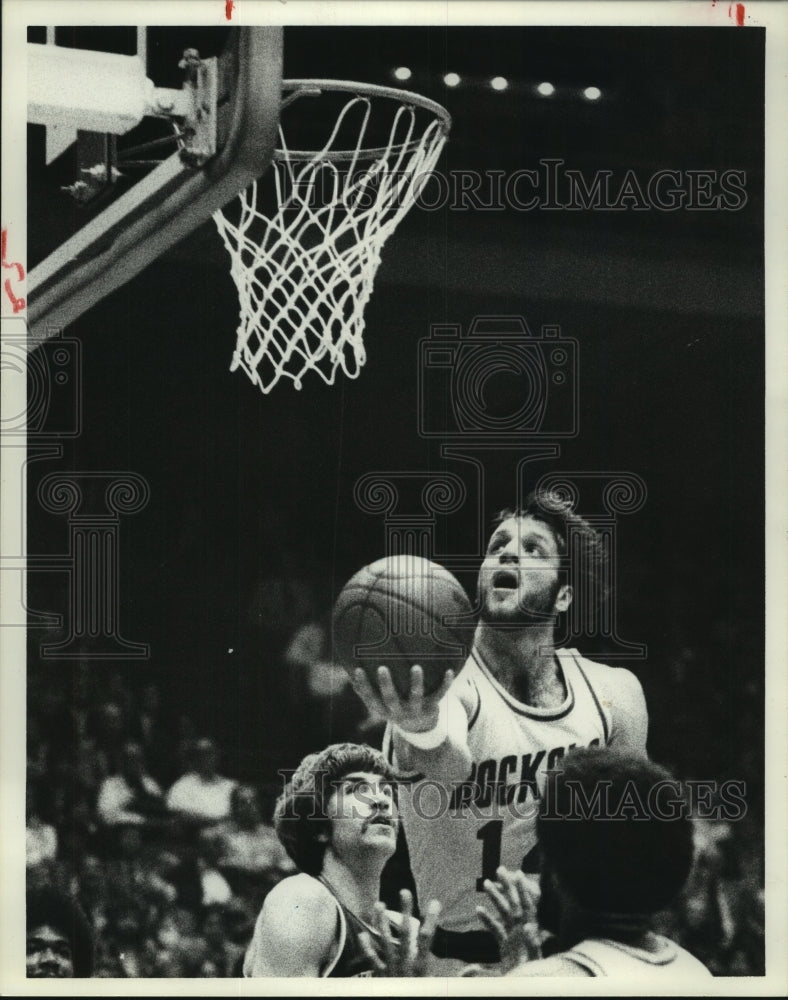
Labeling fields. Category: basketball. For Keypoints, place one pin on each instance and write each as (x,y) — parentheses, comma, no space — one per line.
(400,611)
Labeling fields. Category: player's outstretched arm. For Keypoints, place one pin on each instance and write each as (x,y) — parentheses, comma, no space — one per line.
(295,930)
(430,732)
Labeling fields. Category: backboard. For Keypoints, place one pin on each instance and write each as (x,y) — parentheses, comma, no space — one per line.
(193,122)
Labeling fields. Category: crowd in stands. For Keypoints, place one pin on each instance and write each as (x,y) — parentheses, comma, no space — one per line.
(130,812)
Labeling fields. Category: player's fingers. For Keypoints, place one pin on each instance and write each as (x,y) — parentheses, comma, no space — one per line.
(388,693)
(493,924)
(431,916)
(528,896)
(498,900)
(366,692)
(369,951)
(409,925)
(426,934)
(533,939)
(446,683)
(511,892)
(416,685)
(389,944)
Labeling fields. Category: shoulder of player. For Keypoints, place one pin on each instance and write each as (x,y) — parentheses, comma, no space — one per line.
(295,930)
(555,965)
(300,902)
(620,696)
(614,681)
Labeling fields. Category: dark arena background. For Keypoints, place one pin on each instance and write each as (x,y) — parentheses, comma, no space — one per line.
(255,517)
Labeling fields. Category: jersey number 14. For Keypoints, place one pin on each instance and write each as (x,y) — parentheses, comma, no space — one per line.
(491,835)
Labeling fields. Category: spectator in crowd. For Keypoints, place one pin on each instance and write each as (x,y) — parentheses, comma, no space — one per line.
(91,884)
(128,921)
(118,691)
(321,689)
(37,755)
(40,837)
(720,913)
(131,797)
(150,726)
(213,886)
(59,936)
(108,729)
(180,949)
(184,733)
(202,796)
(70,803)
(224,954)
(54,714)
(247,850)
(132,873)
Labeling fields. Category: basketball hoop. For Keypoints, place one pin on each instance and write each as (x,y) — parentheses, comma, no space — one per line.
(304,257)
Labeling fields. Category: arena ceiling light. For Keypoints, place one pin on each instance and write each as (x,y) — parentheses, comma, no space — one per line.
(403,73)
(592,93)
(499,83)
(451,79)
(545,88)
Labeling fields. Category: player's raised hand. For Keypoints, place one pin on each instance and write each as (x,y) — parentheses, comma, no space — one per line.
(416,712)
(408,955)
(513,920)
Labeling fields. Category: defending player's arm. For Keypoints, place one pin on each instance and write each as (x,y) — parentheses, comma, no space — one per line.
(429,732)
(295,932)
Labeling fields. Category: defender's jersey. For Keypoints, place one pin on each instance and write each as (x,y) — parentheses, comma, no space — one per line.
(612,958)
(458,836)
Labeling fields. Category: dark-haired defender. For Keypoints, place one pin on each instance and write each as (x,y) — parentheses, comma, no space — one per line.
(612,858)
(59,936)
(337,819)
(480,747)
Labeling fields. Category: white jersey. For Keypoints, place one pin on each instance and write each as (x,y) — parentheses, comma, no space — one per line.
(458,836)
(602,957)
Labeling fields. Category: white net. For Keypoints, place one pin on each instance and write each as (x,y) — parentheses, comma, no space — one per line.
(304,261)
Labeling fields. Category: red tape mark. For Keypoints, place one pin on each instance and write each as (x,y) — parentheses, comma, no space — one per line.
(228,9)
(737,10)
(18,303)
